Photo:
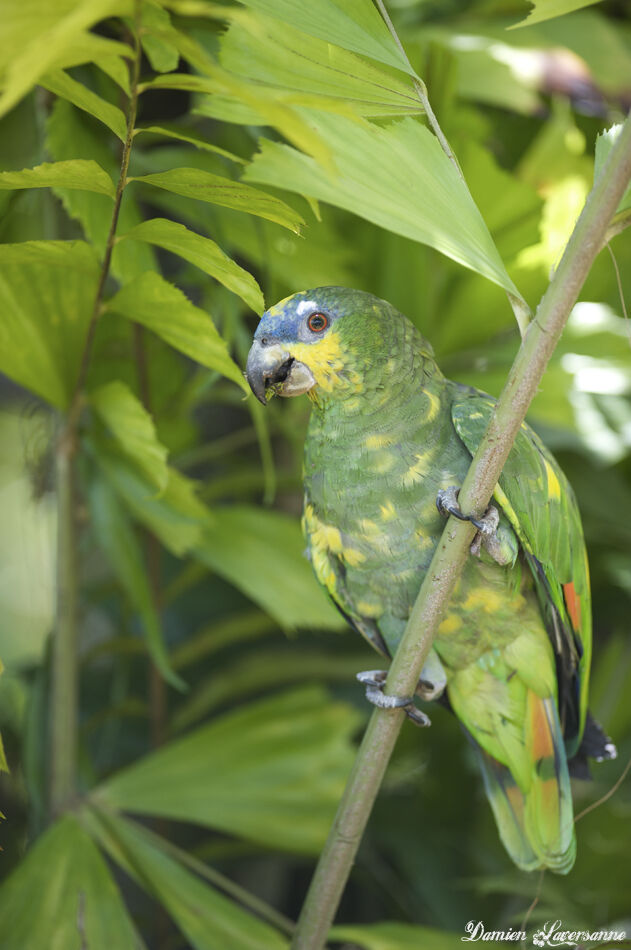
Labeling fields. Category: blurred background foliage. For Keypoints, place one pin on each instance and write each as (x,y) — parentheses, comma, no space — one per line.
(218,709)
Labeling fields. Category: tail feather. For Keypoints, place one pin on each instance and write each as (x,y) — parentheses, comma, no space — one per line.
(535,819)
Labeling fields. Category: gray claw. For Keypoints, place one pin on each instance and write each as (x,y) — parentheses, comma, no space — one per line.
(374,681)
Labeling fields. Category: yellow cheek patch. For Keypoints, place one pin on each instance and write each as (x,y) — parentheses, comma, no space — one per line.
(325,360)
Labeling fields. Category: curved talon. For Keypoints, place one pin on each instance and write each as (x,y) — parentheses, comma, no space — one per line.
(374,681)
(447,504)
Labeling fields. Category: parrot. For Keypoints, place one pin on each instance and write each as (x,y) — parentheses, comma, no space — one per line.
(389,441)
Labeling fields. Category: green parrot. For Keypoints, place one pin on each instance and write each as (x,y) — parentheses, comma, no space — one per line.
(389,438)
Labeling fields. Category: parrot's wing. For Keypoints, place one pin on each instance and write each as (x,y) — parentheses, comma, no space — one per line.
(539,503)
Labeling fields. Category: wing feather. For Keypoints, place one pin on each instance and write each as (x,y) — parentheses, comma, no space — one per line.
(541,507)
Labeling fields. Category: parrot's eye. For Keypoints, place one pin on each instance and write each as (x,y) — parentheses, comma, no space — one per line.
(318,322)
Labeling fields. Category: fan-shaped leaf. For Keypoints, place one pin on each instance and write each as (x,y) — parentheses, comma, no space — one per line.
(397,177)
(271,771)
(208,919)
(63,897)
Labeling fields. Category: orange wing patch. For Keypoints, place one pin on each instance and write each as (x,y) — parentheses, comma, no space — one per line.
(573,604)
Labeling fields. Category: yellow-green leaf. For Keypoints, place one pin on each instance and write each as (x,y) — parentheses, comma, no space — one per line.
(62,897)
(282,58)
(38,35)
(61,84)
(547,9)
(354,24)
(161,307)
(132,428)
(396,176)
(271,771)
(77,173)
(195,183)
(47,291)
(203,253)
(208,919)
(193,138)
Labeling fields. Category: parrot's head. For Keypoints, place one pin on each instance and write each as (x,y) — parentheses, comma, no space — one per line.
(332,340)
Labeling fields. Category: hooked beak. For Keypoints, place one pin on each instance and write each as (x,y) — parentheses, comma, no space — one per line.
(269,366)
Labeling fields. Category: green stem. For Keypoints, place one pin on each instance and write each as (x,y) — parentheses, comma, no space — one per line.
(518,305)
(64,692)
(64,678)
(522,384)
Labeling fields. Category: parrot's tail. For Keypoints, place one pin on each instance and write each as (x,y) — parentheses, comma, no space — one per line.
(536,823)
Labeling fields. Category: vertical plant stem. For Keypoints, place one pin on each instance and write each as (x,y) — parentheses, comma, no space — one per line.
(64,693)
(522,384)
(64,681)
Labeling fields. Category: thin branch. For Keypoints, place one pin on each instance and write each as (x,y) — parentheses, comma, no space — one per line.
(77,398)
(64,693)
(604,798)
(519,306)
(525,376)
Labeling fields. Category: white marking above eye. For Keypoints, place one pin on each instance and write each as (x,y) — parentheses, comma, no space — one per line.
(305,305)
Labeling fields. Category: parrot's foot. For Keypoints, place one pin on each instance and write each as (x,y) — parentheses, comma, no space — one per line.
(447,504)
(374,681)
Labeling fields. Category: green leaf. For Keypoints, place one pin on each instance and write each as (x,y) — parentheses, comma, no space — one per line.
(203,253)
(133,429)
(118,540)
(397,177)
(194,183)
(395,936)
(188,135)
(177,516)
(38,35)
(47,291)
(604,144)
(354,24)
(281,58)
(271,771)
(76,173)
(61,84)
(261,553)
(161,54)
(63,897)
(207,918)
(547,9)
(153,302)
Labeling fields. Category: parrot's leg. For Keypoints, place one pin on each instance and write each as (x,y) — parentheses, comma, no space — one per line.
(487,536)
(374,681)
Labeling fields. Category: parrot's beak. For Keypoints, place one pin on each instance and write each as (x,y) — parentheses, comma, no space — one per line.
(269,366)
